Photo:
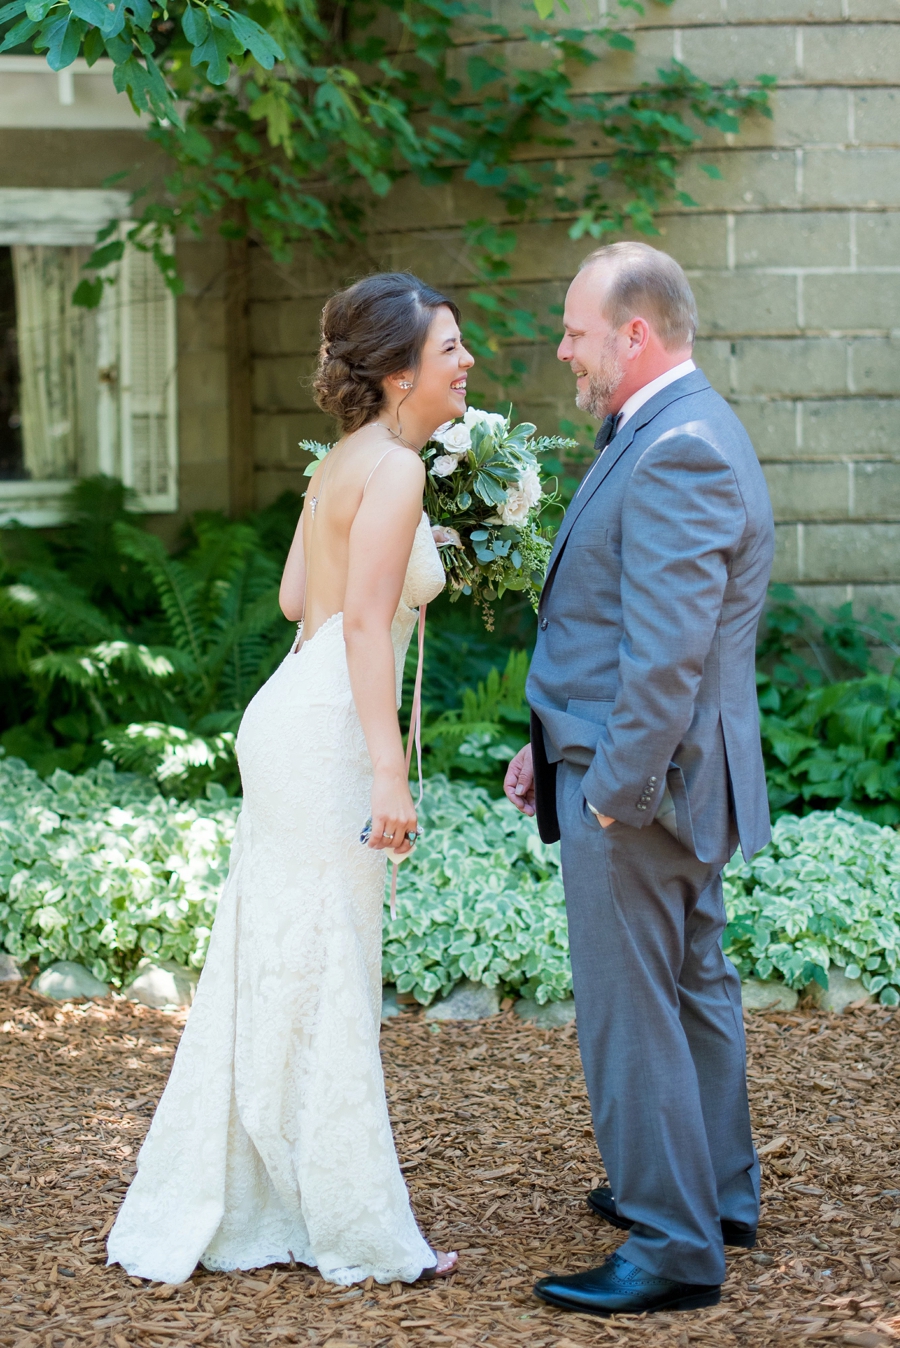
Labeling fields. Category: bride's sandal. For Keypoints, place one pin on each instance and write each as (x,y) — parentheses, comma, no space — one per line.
(446,1265)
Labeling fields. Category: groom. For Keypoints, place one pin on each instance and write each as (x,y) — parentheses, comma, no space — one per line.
(645,762)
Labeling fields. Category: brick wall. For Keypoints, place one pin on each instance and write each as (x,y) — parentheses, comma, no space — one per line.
(794,256)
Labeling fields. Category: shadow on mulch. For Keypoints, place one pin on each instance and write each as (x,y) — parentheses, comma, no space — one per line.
(493,1132)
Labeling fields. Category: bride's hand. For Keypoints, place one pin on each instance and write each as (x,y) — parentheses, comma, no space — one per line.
(393,813)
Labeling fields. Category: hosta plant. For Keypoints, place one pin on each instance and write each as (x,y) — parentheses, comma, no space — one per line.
(825,891)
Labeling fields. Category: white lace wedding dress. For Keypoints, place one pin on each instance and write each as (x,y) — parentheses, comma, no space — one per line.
(272,1137)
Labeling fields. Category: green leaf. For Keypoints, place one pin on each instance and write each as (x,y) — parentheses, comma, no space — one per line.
(62,37)
(94,46)
(39,9)
(219,44)
(482,72)
(11,10)
(711,171)
(19,33)
(102,257)
(620,42)
(195,25)
(262,47)
(88,293)
(544,8)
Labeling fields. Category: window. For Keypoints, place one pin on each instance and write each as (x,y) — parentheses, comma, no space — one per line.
(81,391)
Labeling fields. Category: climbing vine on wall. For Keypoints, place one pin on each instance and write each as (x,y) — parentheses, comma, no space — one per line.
(285,119)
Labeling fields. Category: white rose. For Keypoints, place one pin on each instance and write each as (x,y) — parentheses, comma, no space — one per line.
(444,465)
(521,498)
(530,484)
(455,438)
(493,421)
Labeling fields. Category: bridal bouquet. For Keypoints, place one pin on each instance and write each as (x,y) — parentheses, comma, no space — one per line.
(484,493)
(484,497)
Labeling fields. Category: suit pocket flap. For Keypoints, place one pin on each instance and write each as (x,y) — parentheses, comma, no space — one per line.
(596,710)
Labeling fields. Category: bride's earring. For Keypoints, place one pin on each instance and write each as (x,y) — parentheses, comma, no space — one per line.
(404,383)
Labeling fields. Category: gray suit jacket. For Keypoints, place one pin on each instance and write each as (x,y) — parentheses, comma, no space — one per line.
(644,668)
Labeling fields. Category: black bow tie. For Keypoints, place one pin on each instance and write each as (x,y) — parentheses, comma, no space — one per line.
(606,432)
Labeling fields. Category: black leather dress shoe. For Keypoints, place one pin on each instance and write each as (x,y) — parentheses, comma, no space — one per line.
(619,1287)
(602,1202)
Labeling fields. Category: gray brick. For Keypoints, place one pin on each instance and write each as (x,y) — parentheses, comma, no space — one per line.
(876,493)
(771,425)
(714,359)
(850,552)
(855,426)
(282,384)
(871,10)
(749,178)
(876,116)
(861,54)
(276,435)
(882,598)
(285,327)
(800,116)
(784,567)
(878,238)
(201,486)
(875,365)
(782,11)
(305,274)
(792,367)
(743,303)
(618,70)
(697,241)
(792,239)
(201,325)
(269,484)
(203,434)
(808,491)
(854,302)
(845,178)
(745,52)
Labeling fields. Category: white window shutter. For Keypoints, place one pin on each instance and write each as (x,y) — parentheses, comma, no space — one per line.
(148,429)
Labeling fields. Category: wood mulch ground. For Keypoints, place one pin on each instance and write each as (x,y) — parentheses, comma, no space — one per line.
(493,1131)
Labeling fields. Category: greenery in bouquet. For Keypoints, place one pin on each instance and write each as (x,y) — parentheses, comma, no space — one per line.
(485,495)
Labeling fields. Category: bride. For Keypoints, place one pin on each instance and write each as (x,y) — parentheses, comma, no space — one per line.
(272,1140)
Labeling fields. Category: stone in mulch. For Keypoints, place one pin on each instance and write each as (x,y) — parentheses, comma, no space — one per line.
(550,1016)
(390,1007)
(66,981)
(467,1001)
(840,993)
(757,995)
(162,984)
(10,971)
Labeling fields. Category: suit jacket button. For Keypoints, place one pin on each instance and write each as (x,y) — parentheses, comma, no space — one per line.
(652,781)
(544,624)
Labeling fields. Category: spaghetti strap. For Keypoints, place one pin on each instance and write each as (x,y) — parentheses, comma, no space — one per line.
(394,449)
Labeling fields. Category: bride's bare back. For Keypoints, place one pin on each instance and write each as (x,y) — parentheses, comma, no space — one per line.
(351,558)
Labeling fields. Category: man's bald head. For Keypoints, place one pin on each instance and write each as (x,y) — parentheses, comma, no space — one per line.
(640,281)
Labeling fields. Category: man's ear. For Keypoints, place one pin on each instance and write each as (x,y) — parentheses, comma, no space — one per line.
(637,333)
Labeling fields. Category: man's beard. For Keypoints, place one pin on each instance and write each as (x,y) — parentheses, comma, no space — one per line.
(602,384)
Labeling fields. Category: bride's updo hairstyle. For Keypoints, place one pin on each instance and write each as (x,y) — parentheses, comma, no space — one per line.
(375,328)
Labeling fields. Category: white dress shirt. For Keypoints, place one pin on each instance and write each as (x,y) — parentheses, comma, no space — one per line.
(666,812)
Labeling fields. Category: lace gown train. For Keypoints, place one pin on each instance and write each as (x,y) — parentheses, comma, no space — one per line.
(272,1137)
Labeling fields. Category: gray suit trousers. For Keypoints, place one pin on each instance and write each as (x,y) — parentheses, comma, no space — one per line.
(661,1035)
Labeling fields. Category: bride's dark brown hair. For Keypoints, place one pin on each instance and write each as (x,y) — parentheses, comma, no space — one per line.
(373,329)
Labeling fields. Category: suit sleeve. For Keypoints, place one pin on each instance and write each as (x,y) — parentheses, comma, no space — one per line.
(682,519)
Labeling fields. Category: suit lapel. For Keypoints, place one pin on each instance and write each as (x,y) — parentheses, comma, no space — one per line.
(690,383)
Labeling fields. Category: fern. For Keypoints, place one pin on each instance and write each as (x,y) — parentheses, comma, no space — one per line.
(477,739)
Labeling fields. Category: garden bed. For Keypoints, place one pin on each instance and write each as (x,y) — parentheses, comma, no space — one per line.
(493,1132)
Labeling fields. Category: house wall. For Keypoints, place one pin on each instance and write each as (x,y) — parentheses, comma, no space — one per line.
(794,256)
